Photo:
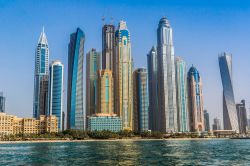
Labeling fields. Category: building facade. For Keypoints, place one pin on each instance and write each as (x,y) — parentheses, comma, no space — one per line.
(217,124)
(196,116)
(13,125)
(105,89)
(41,77)
(75,101)
(230,119)
(92,67)
(2,102)
(123,76)
(108,46)
(100,122)
(181,93)
(242,117)
(141,105)
(154,124)
(206,121)
(166,78)
(56,91)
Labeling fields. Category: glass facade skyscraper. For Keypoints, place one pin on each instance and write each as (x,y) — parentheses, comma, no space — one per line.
(2,102)
(166,78)
(92,66)
(123,76)
(230,119)
(75,105)
(154,123)
(141,112)
(206,121)
(242,117)
(56,92)
(182,96)
(41,77)
(195,95)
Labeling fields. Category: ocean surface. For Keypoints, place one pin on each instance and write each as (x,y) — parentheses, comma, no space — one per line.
(146,152)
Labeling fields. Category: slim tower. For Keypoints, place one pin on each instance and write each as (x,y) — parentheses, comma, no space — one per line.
(2,102)
(56,92)
(75,105)
(123,76)
(166,78)
(41,77)
(230,119)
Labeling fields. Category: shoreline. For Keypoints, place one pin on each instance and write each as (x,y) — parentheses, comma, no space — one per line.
(111,140)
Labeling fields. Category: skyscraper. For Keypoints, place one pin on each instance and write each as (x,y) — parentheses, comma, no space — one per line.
(242,117)
(166,78)
(2,102)
(75,105)
(206,121)
(93,65)
(230,119)
(108,46)
(141,114)
(41,76)
(182,96)
(217,124)
(105,103)
(196,116)
(56,92)
(154,123)
(123,76)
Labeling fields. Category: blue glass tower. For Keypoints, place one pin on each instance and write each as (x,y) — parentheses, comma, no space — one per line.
(140,98)
(56,91)
(41,77)
(2,102)
(230,119)
(75,105)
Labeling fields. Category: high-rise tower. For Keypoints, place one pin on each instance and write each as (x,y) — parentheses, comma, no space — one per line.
(2,102)
(140,99)
(56,92)
(123,76)
(41,76)
(182,97)
(195,95)
(75,105)
(92,66)
(108,46)
(230,119)
(166,78)
(154,123)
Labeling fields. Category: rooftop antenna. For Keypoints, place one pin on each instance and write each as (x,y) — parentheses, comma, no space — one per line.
(43,28)
(103,20)
(111,20)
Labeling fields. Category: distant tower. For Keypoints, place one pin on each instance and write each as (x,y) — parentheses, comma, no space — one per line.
(206,121)
(2,102)
(166,78)
(154,123)
(75,105)
(217,124)
(41,77)
(141,114)
(92,66)
(196,116)
(105,89)
(182,96)
(123,76)
(230,119)
(56,92)
(242,117)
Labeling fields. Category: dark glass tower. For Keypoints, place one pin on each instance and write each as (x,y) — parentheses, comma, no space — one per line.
(2,102)
(75,105)
(242,117)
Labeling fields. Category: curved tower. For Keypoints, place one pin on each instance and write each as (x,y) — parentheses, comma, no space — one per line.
(196,115)
(230,119)
(123,76)
(41,76)
(166,78)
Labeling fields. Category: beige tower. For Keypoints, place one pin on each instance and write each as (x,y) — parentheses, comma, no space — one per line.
(123,77)
(105,92)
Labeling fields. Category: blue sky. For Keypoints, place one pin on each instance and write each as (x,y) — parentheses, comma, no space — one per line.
(202,29)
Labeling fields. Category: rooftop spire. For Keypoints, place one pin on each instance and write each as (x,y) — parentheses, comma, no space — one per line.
(43,38)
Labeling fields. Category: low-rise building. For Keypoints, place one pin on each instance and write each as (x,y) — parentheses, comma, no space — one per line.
(10,124)
(99,122)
